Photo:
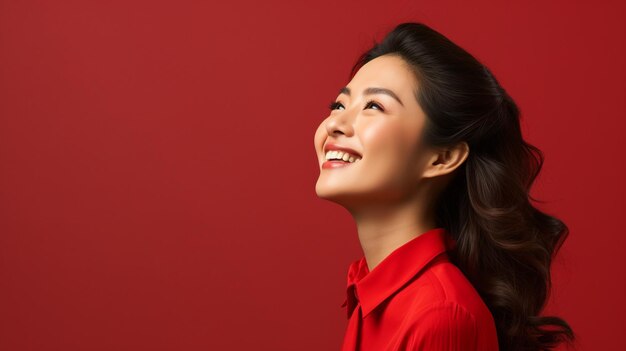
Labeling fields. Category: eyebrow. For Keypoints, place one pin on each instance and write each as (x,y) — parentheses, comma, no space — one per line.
(373,90)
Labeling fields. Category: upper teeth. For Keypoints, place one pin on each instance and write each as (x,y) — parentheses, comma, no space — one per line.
(340,155)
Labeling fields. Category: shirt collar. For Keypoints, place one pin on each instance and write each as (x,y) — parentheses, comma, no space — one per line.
(402,264)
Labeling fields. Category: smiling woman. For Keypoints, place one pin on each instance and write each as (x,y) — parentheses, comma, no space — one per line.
(424,148)
(370,117)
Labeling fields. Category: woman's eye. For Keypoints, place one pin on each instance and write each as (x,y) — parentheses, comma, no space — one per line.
(373,104)
(335,105)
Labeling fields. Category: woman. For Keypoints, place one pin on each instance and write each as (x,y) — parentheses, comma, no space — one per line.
(423,147)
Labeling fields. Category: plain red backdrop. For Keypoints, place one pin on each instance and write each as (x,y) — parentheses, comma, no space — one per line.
(157,168)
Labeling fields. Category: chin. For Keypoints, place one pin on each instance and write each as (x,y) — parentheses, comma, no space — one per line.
(330,193)
(353,198)
(343,197)
(325,192)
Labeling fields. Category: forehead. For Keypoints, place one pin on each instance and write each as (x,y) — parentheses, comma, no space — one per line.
(387,71)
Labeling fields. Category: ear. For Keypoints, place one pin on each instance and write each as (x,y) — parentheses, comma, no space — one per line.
(445,160)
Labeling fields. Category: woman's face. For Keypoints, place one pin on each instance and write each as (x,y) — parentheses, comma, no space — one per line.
(376,116)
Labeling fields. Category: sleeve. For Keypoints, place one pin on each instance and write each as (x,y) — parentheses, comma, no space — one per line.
(445,326)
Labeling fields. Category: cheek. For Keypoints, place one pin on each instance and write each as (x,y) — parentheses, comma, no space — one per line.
(392,146)
(386,141)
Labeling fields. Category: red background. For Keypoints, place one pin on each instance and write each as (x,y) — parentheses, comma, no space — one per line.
(157,168)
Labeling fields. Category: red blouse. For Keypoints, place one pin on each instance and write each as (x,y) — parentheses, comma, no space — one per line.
(416,299)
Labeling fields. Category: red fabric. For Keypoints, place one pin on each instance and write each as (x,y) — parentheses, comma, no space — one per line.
(416,299)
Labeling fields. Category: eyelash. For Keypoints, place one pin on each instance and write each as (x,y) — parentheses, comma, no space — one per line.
(335,104)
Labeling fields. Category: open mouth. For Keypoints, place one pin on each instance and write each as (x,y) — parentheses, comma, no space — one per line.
(336,158)
(342,156)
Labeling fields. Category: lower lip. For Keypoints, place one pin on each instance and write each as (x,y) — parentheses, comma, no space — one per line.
(335,164)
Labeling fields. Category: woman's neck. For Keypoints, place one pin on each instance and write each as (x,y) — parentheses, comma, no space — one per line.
(384,228)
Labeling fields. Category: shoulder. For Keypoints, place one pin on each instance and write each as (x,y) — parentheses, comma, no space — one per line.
(450,315)
(445,325)
(445,317)
(449,287)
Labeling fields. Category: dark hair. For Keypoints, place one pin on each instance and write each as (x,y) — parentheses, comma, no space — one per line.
(505,245)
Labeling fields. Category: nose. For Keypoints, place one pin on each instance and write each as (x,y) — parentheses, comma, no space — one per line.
(340,122)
